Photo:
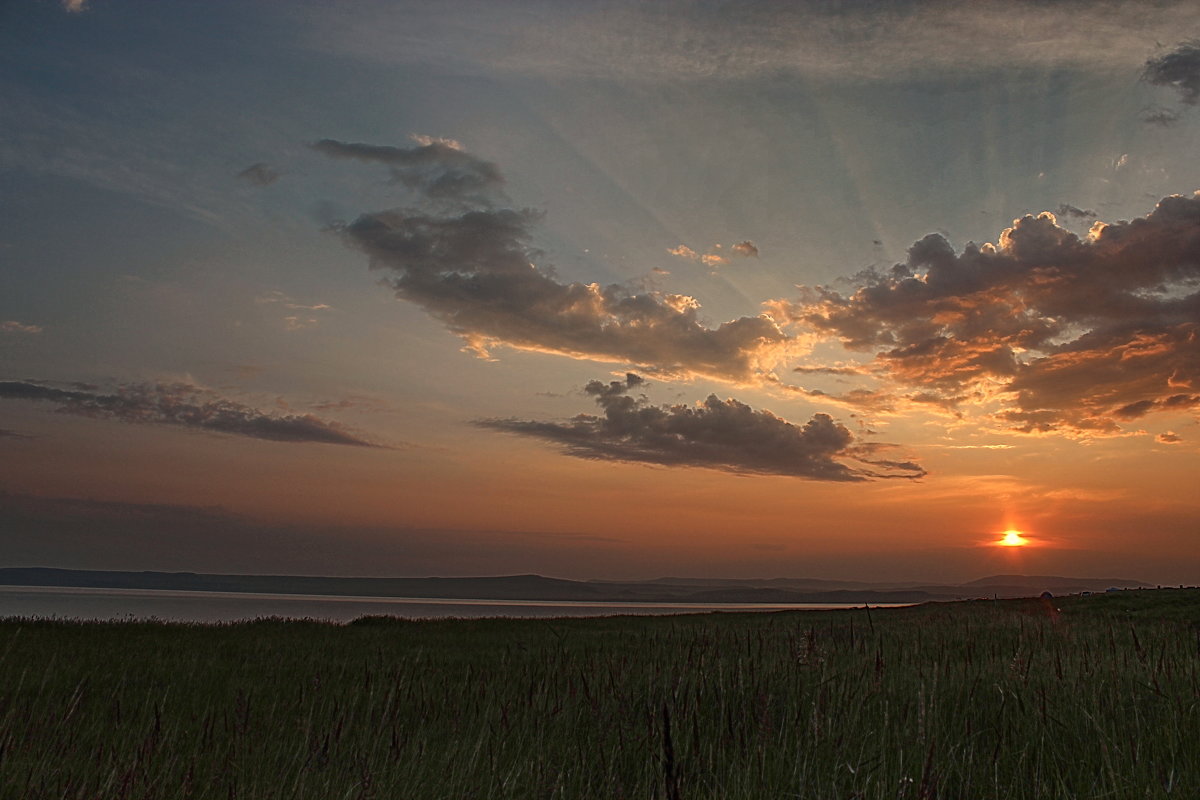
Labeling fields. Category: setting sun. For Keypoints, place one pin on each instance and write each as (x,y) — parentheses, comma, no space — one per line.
(1013,539)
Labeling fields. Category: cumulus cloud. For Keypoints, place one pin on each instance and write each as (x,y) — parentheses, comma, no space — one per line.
(183,405)
(12,326)
(1179,69)
(471,264)
(1064,332)
(718,434)
(259,174)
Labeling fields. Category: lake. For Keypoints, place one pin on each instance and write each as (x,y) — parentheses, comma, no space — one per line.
(177,606)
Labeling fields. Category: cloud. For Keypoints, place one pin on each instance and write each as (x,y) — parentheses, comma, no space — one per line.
(1162,117)
(304,316)
(1168,437)
(259,174)
(471,265)
(1067,210)
(1179,69)
(438,168)
(75,6)
(183,405)
(746,248)
(1064,332)
(674,40)
(5,433)
(12,326)
(713,257)
(718,434)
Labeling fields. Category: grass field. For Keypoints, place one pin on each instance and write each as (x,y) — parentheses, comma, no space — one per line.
(1008,699)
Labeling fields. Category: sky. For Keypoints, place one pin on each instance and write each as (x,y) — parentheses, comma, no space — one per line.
(601,290)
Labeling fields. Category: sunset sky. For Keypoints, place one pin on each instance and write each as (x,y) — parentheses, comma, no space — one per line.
(601,290)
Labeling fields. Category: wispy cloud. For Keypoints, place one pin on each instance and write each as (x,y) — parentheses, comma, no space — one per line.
(182,405)
(297,316)
(718,434)
(259,174)
(439,168)
(679,40)
(12,326)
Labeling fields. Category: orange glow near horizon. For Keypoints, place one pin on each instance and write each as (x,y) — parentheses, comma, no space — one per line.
(1012,538)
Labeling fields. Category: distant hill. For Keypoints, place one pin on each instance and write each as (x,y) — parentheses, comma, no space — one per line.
(1081,584)
(538,587)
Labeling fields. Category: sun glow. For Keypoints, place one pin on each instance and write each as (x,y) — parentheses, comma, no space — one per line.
(1011,538)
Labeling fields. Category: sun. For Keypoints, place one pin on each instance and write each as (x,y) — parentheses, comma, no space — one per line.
(1011,538)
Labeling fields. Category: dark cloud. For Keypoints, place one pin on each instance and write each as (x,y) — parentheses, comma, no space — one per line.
(182,405)
(438,168)
(259,174)
(5,433)
(827,370)
(746,248)
(1168,438)
(1180,69)
(1066,331)
(474,269)
(719,434)
(1162,117)
(1068,210)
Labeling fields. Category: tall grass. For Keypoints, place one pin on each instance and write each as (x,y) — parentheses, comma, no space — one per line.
(977,700)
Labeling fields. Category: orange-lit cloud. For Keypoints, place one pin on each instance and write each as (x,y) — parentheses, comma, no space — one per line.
(1064,333)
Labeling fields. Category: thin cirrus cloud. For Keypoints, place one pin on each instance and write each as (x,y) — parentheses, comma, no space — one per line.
(182,405)
(469,261)
(718,434)
(1065,333)
(677,40)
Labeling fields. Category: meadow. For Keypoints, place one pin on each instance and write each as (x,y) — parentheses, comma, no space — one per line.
(1095,697)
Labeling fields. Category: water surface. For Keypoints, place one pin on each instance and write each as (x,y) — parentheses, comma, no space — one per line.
(180,606)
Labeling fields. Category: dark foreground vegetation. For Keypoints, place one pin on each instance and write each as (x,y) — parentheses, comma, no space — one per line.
(1008,699)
